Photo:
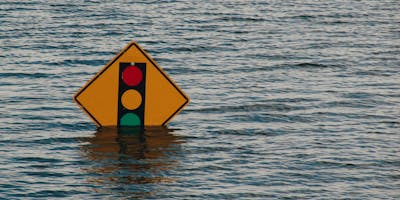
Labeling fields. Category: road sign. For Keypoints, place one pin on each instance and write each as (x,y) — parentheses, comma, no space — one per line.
(131,90)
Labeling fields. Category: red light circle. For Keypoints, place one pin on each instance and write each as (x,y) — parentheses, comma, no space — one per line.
(132,76)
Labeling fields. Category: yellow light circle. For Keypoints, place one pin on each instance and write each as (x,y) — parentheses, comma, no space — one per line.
(131,99)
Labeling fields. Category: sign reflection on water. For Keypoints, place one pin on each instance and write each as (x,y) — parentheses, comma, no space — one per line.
(132,156)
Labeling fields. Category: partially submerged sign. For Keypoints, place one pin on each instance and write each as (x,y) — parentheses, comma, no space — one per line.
(131,90)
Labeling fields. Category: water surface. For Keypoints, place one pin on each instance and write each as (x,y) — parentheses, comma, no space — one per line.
(289,99)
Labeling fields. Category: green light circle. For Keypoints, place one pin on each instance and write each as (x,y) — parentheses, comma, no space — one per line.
(130,119)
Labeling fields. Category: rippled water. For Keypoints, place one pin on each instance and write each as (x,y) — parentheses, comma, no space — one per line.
(289,99)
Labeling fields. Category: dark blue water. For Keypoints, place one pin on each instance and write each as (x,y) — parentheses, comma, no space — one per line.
(289,100)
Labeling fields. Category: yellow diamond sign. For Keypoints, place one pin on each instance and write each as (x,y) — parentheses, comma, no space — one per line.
(131,90)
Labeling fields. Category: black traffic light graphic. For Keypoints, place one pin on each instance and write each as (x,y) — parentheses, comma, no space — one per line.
(131,94)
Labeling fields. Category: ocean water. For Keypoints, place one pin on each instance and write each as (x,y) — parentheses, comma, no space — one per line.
(289,100)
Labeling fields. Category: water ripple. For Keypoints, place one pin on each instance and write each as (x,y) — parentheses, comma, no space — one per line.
(289,100)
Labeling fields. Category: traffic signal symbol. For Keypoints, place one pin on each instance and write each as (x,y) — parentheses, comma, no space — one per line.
(152,98)
(131,94)
(132,75)
(131,99)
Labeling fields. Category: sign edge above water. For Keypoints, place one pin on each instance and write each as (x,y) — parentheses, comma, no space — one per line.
(110,63)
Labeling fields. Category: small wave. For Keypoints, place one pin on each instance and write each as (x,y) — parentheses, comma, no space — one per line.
(37,159)
(358,95)
(241,19)
(314,65)
(183,49)
(43,174)
(249,108)
(304,17)
(300,66)
(90,62)
(25,75)
(375,73)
